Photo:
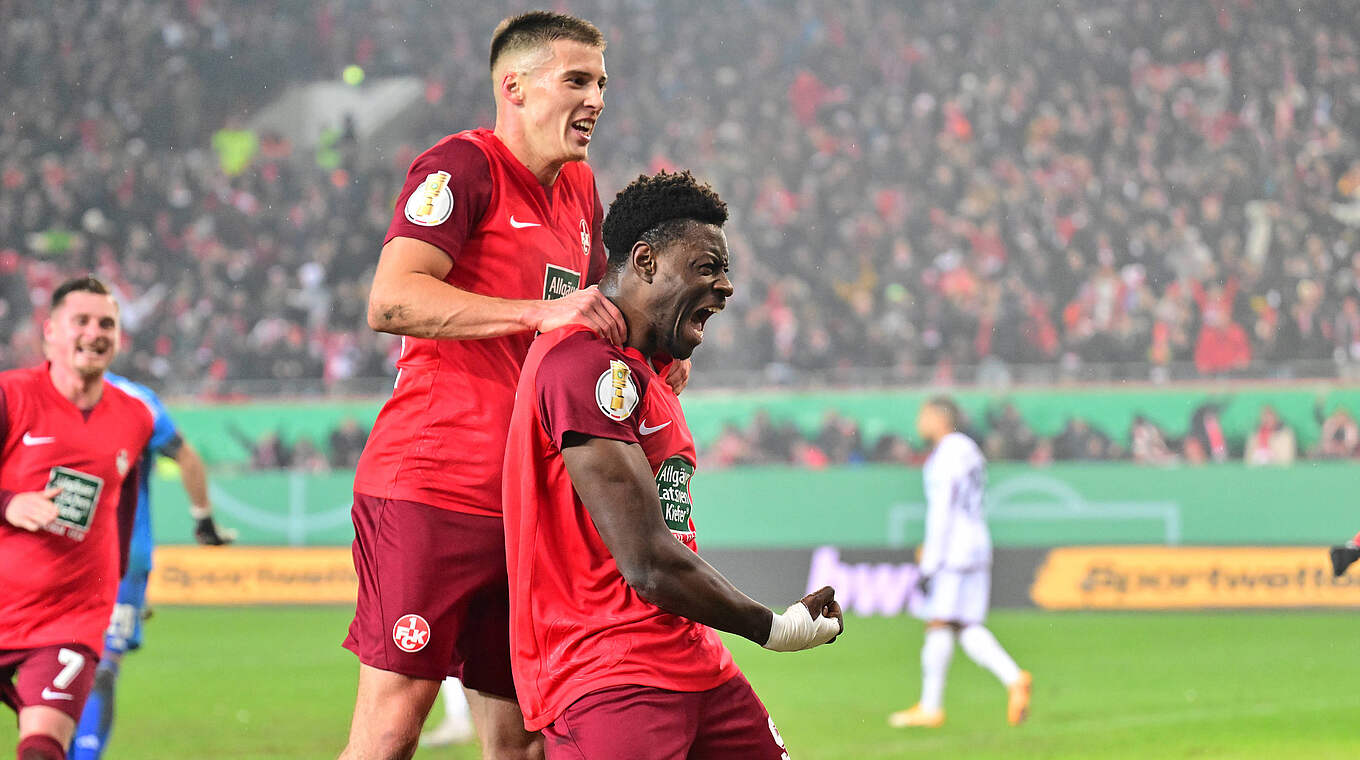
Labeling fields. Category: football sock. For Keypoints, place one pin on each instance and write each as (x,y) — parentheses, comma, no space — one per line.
(936,653)
(40,747)
(96,722)
(455,701)
(983,648)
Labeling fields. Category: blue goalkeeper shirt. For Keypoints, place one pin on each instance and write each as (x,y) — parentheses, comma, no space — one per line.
(165,441)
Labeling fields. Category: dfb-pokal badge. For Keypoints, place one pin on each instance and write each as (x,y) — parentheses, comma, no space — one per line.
(615,392)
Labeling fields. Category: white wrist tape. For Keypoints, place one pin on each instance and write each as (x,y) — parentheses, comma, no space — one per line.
(796,630)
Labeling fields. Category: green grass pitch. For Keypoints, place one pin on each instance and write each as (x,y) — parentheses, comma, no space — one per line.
(274,683)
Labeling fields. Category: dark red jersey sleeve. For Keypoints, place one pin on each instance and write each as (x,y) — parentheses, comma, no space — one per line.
(584,386)
(447,191)
(127,514)
(599,257)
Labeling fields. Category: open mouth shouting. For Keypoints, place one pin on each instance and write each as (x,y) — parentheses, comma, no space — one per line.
(583,128)
(694,326)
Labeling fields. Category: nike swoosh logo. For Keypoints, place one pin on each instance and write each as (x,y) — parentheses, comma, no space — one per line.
(645,430)
(49,694)
(37,440)
(517,224)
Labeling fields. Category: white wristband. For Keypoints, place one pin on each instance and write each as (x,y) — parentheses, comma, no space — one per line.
(796,630)
(198,512)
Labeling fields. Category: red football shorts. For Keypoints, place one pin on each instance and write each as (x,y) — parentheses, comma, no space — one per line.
(644,723)
(434,598)
(59,676)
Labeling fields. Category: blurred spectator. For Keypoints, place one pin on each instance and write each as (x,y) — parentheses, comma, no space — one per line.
(1009,437)
(1272,443)
(730,449)
(1078,441)
(1148,444)
(1206,439)
(306,457)
(269,452)
(892,449)
(1340,436)
(346,443)
(839,439)
(1042,456)
(1222,346)
(235,146)
(807,455)
(1193,451)
(771,441)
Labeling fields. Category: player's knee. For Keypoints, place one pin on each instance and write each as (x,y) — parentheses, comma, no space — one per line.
(516,745)
(387,745)
(401,746)
(504,738)
(383,737)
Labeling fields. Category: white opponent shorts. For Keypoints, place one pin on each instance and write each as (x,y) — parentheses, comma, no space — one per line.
(959,596)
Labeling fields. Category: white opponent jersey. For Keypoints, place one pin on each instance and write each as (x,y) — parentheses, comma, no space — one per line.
(956,527)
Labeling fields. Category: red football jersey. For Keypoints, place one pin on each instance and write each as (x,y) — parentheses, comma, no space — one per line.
(440,439)
(576,626)
(58,585)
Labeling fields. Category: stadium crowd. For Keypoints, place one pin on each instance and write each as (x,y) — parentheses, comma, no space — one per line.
(1005,436)
(956,193)
(1002,432)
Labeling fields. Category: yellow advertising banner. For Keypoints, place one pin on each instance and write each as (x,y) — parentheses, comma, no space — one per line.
(252,575)
(1158,577)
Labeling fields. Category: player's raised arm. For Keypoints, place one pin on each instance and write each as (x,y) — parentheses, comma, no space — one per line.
(410,297)
(616,485)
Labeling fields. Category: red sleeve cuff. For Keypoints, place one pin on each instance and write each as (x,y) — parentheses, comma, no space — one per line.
(5,498)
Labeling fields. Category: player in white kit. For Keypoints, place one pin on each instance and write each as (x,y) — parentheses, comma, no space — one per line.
(956,570)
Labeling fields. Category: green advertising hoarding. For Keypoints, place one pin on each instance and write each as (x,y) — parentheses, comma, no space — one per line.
(222,431)
(880,505)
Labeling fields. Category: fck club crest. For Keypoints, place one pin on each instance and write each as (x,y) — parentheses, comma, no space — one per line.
(411,633)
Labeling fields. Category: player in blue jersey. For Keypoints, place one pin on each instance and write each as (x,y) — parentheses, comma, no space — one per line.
(125,627)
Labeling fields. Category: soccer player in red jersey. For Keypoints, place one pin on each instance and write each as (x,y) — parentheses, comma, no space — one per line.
(69,448)
(495,236)
(612,610)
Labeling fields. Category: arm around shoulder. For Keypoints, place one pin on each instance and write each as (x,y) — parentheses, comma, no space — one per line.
(410,297)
